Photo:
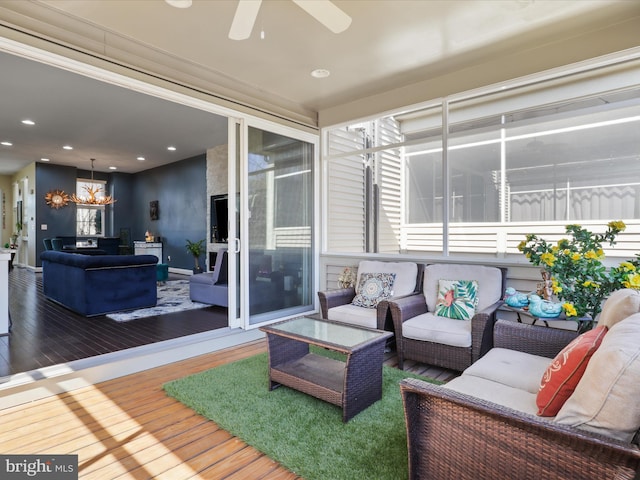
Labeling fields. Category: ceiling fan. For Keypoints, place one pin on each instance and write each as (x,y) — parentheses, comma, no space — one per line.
(322,10)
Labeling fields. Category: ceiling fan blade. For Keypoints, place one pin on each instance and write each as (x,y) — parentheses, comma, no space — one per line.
(243,20)
(326,13)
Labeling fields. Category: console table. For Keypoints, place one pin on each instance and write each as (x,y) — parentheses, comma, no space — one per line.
(352,385)
(148,248)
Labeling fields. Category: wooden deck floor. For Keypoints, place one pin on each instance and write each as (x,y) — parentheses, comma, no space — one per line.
(127,428)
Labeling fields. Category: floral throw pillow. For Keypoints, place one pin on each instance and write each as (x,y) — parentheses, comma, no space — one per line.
(457,299)
(372,288)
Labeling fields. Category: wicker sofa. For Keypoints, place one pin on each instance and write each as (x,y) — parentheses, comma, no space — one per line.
(483,425)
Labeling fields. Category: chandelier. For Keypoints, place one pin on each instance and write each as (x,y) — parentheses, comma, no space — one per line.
(91,197)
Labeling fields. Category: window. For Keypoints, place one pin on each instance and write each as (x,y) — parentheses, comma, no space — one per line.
(90,218)
(515,160)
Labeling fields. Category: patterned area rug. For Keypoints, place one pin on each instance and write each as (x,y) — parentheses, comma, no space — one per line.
(173,296)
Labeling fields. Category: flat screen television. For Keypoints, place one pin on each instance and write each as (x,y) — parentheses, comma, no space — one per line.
(219,218)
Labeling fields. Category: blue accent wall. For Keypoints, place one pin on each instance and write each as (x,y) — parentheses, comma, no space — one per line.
(61,221)
(180,189)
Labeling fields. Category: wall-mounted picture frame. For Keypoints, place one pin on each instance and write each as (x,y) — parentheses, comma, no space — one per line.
(153,210)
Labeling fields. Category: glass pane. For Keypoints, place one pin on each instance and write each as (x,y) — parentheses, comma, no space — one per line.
(474,179)
(582,166)
(423,181)
(424,186)
(346,204)
(280,198)
(89,221)
(327,332)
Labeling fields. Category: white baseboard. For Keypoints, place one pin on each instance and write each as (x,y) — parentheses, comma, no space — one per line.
(181,271)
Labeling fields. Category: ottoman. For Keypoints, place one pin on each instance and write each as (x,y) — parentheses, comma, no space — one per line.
(162,272)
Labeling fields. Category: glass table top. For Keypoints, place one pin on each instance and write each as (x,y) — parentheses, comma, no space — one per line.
(326,332)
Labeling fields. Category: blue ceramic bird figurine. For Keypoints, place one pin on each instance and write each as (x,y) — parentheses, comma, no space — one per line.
(515,299)
(543,308)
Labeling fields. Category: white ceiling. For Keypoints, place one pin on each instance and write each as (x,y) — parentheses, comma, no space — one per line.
(111,124)
(388,45)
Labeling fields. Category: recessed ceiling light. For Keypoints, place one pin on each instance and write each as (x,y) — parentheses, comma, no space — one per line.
(113,168)
(142,159)
(68,147)
(179,3)
(320,73)
(28,122)
(45,159)
(6,144)
(172,148)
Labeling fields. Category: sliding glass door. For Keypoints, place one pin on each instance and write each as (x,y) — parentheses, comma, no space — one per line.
(274,181)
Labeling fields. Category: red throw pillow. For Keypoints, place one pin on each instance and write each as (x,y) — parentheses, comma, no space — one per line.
(562,376)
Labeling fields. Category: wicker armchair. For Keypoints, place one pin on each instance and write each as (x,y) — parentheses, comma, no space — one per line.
(336,305)
(433,349)
(452,435)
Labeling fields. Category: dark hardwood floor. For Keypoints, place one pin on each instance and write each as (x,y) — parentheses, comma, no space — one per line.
(44,333)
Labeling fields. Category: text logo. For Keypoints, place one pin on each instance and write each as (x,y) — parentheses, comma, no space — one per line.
(50,467)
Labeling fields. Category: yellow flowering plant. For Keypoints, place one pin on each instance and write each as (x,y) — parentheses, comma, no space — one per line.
(578,276)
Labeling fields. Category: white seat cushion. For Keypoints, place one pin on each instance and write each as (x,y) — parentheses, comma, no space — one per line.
(406,274)
(431,328)
(510,397)
(363,317)
(512,368)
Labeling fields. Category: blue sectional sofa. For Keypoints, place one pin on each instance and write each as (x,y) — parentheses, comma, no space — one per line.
(95,285)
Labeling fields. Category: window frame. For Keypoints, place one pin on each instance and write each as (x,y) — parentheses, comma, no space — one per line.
(81,183)
(616,65)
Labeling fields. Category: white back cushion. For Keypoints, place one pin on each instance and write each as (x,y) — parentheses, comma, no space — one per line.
(406,274)
(606,398)
(620,305)
(489,282)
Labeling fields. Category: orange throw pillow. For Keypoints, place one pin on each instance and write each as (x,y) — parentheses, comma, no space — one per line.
(562,376)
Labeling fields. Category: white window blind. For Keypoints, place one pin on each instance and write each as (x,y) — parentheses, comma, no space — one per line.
(389,181)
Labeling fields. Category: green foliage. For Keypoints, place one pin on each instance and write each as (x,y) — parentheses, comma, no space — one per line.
(578,275)
(304,434)
(196,249)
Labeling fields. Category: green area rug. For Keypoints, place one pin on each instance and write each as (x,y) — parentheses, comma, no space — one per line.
(302,433)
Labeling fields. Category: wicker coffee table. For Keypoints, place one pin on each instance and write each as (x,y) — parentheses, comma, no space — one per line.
(353,385)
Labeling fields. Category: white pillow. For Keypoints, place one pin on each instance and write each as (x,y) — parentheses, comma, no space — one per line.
(606,399)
